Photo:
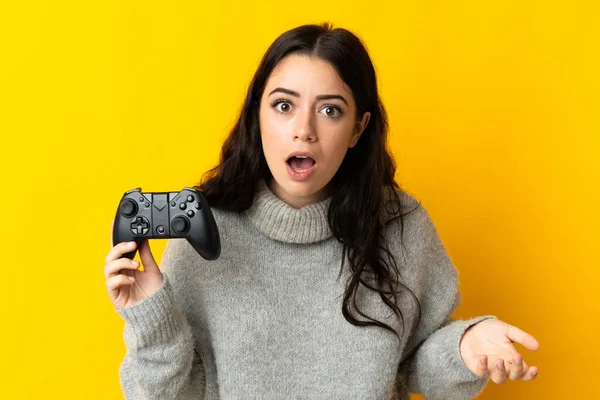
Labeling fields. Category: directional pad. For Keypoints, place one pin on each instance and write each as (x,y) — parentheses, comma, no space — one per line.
(140,226)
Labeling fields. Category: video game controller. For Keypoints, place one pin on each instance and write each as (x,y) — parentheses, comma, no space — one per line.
(166,215)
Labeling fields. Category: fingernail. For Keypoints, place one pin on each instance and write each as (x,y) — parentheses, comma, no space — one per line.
(135,263)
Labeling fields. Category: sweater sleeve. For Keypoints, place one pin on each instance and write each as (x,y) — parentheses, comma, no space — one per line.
(160,360)
(432,364)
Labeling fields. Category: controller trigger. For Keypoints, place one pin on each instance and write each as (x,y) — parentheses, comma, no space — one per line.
(138,189)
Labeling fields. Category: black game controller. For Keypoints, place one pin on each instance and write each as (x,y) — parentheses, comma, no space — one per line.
(165,215)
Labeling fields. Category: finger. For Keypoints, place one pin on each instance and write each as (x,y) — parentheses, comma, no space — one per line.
(498,374)
(516,368)
(147,257)
(116,282)
(112,225)
(525,368)
(114,267)
(530,374)
(482,367)
(117,251)
(517,335)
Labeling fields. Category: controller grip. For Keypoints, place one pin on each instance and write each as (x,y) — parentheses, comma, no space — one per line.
(205,239)
(119,237)
(208,245)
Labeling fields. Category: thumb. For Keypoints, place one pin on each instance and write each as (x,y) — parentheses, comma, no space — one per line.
(517,335)
(147,257)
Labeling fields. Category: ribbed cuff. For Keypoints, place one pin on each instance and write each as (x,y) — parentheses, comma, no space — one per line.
(152,320)
(460,369)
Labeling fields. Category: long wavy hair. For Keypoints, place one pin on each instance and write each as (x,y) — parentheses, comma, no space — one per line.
(362,188)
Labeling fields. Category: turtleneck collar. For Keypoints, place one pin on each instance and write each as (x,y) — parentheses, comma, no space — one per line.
(280,221)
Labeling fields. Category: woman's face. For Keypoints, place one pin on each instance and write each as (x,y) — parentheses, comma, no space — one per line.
(306,111)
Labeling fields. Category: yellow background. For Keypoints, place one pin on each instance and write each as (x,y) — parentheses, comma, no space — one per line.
(493,111)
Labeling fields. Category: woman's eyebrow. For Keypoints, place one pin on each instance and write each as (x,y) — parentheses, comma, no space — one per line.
(319,97)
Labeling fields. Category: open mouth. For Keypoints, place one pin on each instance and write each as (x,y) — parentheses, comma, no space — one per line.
(301,163)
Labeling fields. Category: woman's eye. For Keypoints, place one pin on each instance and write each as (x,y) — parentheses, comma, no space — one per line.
(331,111)
(282,106)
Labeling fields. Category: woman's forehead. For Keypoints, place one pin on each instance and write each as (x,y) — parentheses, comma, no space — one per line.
(304,74)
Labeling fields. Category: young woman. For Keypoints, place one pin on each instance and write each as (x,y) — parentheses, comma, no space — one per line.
(332,282)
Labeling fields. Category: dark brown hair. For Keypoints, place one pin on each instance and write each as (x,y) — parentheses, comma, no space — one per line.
(360,185)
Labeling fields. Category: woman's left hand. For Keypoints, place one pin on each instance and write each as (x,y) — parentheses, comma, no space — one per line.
(487,349)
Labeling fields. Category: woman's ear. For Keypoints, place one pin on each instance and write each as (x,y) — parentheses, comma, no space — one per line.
(360,128)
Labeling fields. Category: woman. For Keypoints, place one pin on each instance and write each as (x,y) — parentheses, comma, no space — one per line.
(332,281)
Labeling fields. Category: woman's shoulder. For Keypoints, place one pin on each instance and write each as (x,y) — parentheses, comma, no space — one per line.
(415,239)
(399,202)
(404,215)
(227,219)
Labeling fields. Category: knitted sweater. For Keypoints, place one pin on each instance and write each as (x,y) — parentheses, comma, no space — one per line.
(264,321)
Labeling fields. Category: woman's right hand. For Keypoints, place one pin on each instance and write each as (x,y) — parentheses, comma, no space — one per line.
(125,283)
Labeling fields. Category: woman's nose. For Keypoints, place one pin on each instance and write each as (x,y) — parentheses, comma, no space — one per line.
(304,128)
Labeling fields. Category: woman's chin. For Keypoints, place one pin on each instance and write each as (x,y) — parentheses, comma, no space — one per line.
(306,191)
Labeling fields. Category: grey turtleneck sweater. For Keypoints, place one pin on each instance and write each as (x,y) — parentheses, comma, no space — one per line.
(264,321)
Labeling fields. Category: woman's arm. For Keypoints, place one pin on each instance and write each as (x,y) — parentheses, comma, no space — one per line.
(160,362)
(436,369)
(432,364)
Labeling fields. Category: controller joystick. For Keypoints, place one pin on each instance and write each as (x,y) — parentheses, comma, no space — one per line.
(165,215)
(128,208)
(180,225)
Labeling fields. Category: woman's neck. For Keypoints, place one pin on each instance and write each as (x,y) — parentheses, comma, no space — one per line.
(297,201)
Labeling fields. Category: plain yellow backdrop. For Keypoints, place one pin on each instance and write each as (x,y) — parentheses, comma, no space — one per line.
(493,109)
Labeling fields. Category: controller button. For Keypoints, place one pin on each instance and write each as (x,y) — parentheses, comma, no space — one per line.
(147,204)
(142,199)
(128,208)
(173,204)
(191,213)
(140,226)
(198,205)
(183,206)
(180,225)
(190,198)
(161,229)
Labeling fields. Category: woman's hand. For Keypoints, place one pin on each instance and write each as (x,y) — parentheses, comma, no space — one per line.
(487,349)
(125,283)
